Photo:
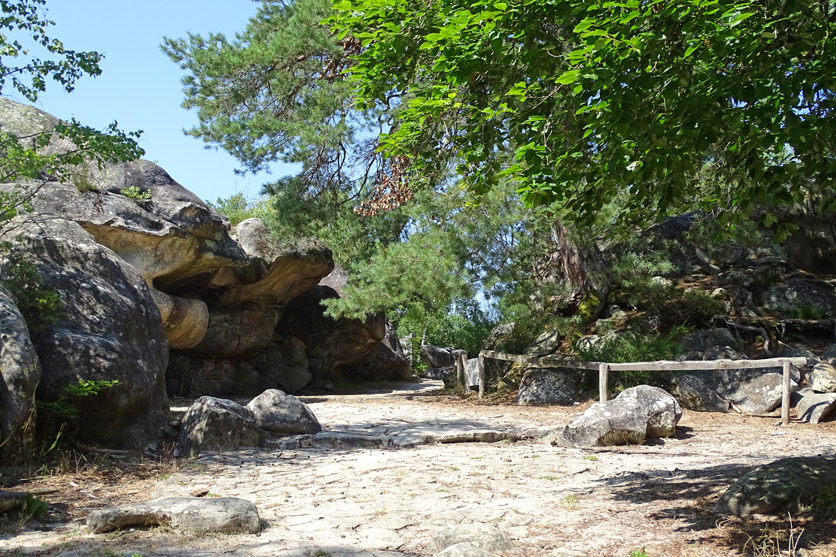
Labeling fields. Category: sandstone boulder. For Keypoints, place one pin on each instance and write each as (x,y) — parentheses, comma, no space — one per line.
(436,356)
(109,330)
(823,378)
(550,386)
(813,407)
(278,412)
(217,424)
(802,299)
(20,372)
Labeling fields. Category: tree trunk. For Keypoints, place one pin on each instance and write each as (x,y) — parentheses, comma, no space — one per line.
(584,269)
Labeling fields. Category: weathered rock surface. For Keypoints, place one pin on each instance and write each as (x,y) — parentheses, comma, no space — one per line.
(628,419)
(823,378)
(813,407)
(778,486)
(464,549)
(663,411)
(754,391)
(217,424)
(481,536)
(191,514)
(20,372)
(436,356)
(109,330)
(11,500)
(278,412)
(800,298)
(550,386)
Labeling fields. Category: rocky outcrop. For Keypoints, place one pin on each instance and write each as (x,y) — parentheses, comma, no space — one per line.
(20,372)
(801,299)
(436,356)
(109,329)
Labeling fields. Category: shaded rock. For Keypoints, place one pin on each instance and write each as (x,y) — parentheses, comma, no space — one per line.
(663,411)
(109,329)
(387,365)
(278,412)
(344,346)
(754,391)
(800,298)
(829,354)
(778,486)
(550,386)
(481,536)
(813,407)
(545,344)
(700,341)
(217,424)
(695,394)
(11,501)
(823,378)
(20,372)
(435,356)
(228,515)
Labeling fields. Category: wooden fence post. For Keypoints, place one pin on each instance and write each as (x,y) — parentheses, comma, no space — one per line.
(482,376)
(785,394)
(461,377)
(603,372)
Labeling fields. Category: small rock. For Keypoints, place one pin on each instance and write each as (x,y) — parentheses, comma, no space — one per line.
(224,514)
(464,549)
(217,424)
(813,407)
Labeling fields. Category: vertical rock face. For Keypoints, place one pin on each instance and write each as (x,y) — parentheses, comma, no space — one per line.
(109,329)
(20,372)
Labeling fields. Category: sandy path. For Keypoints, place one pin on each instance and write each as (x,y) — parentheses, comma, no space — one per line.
(381,502)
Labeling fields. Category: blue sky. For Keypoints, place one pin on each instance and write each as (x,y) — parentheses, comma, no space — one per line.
(140,87)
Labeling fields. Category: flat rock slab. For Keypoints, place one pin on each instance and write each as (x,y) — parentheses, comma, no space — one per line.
(191,514)
(468,538)
(776,486)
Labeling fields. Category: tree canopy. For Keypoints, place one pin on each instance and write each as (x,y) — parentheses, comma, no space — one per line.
(663,105)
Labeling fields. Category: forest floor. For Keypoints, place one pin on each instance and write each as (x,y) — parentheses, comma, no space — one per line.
(651,500)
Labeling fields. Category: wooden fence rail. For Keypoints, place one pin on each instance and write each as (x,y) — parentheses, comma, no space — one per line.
(605,367)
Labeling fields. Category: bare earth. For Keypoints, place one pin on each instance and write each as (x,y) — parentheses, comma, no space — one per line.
(356,502)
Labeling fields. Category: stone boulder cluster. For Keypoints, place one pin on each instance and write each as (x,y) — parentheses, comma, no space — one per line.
(158,296)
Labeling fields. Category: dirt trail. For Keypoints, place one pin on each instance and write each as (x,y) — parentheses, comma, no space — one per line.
(385,502)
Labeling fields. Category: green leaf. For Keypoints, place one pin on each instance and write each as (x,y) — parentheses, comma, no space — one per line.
(568,77)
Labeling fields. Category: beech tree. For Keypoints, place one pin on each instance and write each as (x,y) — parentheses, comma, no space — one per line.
(663,105)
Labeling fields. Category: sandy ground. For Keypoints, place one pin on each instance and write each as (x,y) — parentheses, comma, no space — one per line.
(355,502)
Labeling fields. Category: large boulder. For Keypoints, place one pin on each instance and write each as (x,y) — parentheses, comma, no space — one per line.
(436,356)
(754,391)
(823,378)
(20,372)
(801,299)
(813,407)
(279,412)
(628,419)
(109,330)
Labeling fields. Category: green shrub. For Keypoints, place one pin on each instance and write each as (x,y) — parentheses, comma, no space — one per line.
(66,407)
(40,306)
(136,193)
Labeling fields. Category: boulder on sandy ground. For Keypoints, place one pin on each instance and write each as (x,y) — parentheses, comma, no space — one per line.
(550,386)
(11,501)
(813,407)
(663,411)
(278,412)
(20,372)
(628,419)
(481,536)
(823,378)
(226,515)
(754,391)
(779,486)
(605,423)
(217,424)
(109,329)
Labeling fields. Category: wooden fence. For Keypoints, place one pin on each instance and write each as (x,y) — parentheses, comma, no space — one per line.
(604,368)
